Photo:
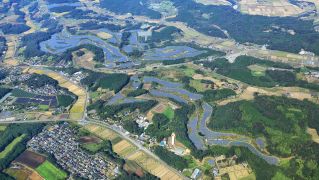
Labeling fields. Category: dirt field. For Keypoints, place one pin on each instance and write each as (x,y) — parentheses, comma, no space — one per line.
(30,159)
(104,35)
(22,172)
(269,8)
(314,135)
(85,61)
(236,172)
(89,139)
(9,57)
(292,92)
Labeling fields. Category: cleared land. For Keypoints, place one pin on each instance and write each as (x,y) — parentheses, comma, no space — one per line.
(23,173)
(314,135)
(30,159)
(9,57)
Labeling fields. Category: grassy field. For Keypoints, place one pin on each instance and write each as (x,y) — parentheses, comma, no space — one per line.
(92,147)
(50,172)
(169,113)
(43,107)
(11,146)
(2,128)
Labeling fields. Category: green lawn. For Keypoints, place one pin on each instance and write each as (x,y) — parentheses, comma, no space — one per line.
(50,172)
(43,107)
(92,147)
(11,146)
(169,113)
(2,128)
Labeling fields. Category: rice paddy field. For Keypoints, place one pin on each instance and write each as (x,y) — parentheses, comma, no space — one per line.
(129,151)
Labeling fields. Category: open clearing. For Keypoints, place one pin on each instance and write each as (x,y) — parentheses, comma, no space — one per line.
(23,173)
(49,172)
(314,135)
(86,60)
(30,159)
(292,92)
(9,57)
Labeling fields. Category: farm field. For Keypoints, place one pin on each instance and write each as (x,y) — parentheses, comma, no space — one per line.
(131,152)
(23,173)
(50,172)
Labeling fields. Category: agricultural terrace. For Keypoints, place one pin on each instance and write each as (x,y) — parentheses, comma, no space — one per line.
(77,110)
(130,152)
(50,172)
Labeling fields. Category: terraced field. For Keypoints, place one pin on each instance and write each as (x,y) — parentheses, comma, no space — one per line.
(129,151)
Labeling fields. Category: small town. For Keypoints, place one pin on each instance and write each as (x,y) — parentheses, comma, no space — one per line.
(59,140)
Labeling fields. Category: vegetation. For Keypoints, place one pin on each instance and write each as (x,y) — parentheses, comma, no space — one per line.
(21,93)
(4,91)
(172,159)
(105,110)
(169,113)
(65,100)
(14,139)
(284,75)
(113,81)
(214,95)
(11,146)
(132,127)
(40,80)
(246,28)
(275,118)
(137,92)
(134,7)
(50,172)
(14,28)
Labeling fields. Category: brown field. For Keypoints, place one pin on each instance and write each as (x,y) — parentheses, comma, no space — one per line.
(129,151)
(30,159)
(270,8)
(292,92)
(85,61)
(236,172)
(314,135)
(9,57)
(89,139)
(21,172)
(154,166)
